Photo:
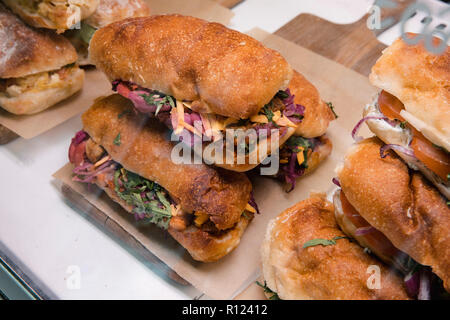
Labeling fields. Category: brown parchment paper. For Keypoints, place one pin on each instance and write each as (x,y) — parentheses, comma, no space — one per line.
(95,83)
(349,92)
(30,126)
(206,9)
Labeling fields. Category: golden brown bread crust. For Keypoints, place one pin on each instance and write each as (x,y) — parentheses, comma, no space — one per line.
(59,20)
(207,247)
(25,51)
(408,211)
(319,154)
(317,114)
(145,150)
(421,80)
(222,71)
(201,245)
(39,99)
(109,11)
(320,272)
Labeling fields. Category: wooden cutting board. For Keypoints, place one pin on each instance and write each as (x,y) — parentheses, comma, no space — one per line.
(352,45)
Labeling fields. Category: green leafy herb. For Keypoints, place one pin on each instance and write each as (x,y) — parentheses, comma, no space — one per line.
(282,95)
(298,141)
(322,242)
(269,291)
(295,142)
(123,113)
(148,199)
(268,112)
(86,32)
(329,104)
(403,124)
(158,101)
(117,141)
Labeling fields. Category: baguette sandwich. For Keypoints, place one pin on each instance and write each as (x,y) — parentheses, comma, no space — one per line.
(202,79)
(396,214)
(411,114)
(129,157)
(305,256)
(59,15)
(37,67)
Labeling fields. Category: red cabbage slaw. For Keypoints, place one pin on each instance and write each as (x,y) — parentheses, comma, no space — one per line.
(252,202)
(294,112)
(86,172)
(158,104)
(418,283)
(290,171)
(363,120)
(402,149)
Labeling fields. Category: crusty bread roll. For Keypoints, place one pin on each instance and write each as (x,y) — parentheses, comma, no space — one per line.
(36,99)
(59,15)
(337,271)
(403,206)
(421,81)
(317,114)
(202,245)
(219,70)
(109,11)
(206,247)
(145,150)
(25,51)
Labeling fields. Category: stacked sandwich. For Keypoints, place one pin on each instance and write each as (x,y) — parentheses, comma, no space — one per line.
(385,203)
(196,79)
(396,203)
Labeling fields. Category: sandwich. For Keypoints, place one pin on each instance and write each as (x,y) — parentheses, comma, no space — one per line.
(203,81)
(108,11)
(305,256)
(128,156)
(411,114)
(37,67)
(397,214)
(59,15)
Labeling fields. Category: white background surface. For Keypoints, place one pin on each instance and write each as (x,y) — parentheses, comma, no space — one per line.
(42,234)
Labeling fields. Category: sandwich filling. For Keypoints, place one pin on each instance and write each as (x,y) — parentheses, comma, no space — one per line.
(280,113)
(407,141)
(419,279)
(14,87)
(294,157)
(146,200)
